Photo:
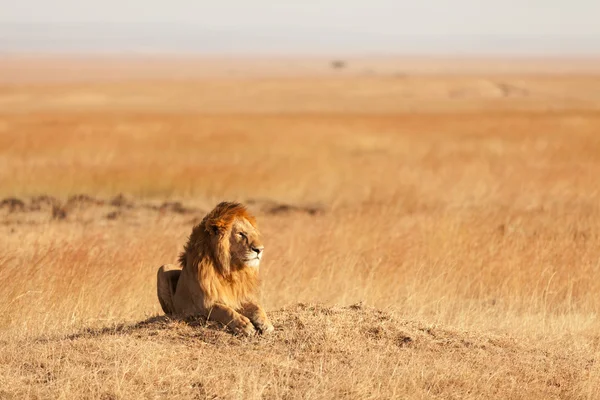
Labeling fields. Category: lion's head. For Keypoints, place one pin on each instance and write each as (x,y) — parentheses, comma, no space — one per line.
(245,246)
(230,236)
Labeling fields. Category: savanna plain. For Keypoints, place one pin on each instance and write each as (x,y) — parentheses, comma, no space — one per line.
(432,228)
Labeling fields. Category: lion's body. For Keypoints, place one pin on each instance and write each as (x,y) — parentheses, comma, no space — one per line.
(216,279)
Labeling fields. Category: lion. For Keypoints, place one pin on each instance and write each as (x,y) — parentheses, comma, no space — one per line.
(218,273)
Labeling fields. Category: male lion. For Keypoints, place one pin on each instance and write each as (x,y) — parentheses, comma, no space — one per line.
(218,276)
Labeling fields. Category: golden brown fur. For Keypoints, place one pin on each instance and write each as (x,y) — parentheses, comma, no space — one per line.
(218,272)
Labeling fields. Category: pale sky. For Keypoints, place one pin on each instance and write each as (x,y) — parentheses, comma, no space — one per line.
(279,26)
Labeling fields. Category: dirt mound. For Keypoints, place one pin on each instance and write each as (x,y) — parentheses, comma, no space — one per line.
(316,351)
(308,322)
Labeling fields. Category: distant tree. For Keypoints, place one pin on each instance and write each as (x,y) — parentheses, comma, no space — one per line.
(338,64)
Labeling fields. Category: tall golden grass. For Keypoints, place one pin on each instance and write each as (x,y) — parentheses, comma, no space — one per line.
(475,223)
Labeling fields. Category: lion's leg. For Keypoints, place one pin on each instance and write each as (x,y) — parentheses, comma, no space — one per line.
(232,319)
(258,316)
(166,282)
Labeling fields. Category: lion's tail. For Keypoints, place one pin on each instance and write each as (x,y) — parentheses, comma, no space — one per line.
(167,278)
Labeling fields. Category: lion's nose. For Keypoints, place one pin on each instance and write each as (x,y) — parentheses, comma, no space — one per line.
(258,249)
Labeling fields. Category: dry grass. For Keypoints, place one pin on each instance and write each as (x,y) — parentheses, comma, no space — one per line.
(462,209)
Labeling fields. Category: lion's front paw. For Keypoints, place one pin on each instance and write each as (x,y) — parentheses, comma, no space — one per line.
(244,327)
(265,328)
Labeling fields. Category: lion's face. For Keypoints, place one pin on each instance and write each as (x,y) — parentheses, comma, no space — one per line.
(245,246)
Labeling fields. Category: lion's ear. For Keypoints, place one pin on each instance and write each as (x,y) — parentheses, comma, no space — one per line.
(214,230)
(216,227)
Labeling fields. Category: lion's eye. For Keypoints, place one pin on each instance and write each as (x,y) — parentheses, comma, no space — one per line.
(242,235)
